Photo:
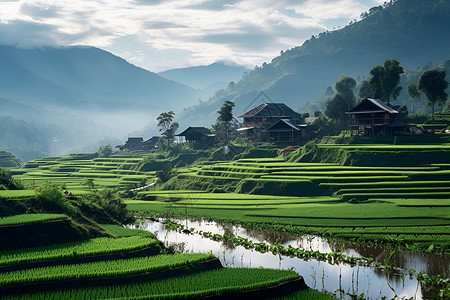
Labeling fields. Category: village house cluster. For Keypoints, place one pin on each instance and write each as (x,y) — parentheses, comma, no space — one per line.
(276,122)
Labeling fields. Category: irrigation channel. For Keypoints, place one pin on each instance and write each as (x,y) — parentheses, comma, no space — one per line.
(341,279)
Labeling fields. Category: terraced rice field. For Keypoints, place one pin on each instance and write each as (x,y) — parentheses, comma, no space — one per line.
(403,204)
(74,171)
(196,285)
(130,266)
(9,160)
(102,268)
(90,247)
(30,218)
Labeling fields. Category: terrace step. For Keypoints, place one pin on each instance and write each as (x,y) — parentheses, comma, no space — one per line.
(393,190)
(366,196)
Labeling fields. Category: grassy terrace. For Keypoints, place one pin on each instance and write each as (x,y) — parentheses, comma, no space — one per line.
(405,204)
(101,268)
(74,171)
(183,287)
(30,218)
(75,249)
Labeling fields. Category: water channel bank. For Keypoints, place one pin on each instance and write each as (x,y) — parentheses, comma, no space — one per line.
(340,278)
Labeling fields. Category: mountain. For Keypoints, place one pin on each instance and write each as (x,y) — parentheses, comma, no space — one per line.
(218,74)
(84,78)
(89,92)
(411,31)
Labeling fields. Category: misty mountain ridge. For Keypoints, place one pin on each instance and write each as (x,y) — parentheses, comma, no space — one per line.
(84,93)
(84,77)
(216,75)
(411,31)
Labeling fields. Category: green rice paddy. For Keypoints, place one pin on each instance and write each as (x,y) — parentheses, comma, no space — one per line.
(407,201)
(30,218)
(102,268)
(73,172)
(182,287)
(89,247)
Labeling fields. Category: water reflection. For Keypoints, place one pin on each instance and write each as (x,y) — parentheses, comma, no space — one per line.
(340,278)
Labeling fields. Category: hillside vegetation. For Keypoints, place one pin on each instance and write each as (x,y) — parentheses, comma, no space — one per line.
(405,30)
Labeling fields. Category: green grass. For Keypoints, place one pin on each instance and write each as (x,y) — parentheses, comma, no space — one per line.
(190,286)
(30,218)
(89,247)
(17,194)
(120,231)
(102,268)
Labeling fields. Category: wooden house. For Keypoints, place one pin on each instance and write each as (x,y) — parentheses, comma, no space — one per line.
(373,116)
(138,143)
(198,137)
(150,144)
(133,143)
(272,122)
(285,130)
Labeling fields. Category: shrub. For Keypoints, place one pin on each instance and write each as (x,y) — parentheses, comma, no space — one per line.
(8,181)
(50,197)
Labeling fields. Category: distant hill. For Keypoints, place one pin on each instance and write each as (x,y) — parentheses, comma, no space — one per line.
(78,96)
(411,31)
(9,160)
(84,78)
(215,75)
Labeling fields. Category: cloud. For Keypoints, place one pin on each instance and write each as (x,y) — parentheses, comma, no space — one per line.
(216,5)
(198,31)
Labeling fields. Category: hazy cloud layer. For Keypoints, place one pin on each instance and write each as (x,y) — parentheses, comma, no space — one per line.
(159,35)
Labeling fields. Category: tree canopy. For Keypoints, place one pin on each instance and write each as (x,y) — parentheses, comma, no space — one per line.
(343,101)
(385,80)
(167,126)
(413,93)
(432,84)
(223,120)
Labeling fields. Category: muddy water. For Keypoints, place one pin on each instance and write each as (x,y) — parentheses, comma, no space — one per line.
(340,279)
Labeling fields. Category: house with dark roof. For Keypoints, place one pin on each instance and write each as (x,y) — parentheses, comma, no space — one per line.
(150,144)
(138,143)
(198,137)
(285,130)
(133,143)
(272,122)
(373,116)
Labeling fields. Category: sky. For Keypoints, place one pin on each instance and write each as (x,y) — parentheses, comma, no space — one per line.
(164,34)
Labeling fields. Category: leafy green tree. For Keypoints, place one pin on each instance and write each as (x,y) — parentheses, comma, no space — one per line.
(365,90)
(413,93)
(432,84)
(343,101)
(385,79)
(7,181)
(167,126)
(105,151)
(345,87)
(225,117)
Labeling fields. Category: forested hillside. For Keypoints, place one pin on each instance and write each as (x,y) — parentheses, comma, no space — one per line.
(411,31)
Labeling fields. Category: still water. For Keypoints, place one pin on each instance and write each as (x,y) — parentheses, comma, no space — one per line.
(341,279)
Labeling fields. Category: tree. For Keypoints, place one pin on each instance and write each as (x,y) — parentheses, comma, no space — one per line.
(105,151)
(385,80)
(166,125)
(345,87)
(225,117)
(413,93)
(432,84)
(365,90)
(341,102)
